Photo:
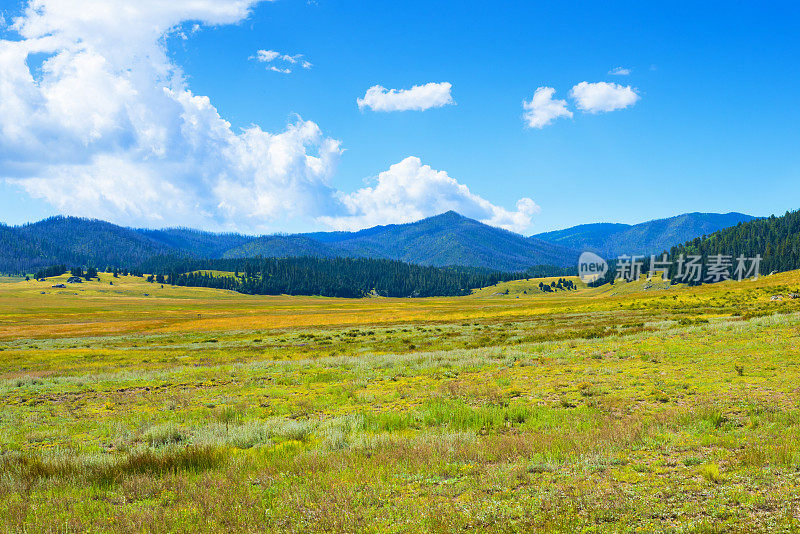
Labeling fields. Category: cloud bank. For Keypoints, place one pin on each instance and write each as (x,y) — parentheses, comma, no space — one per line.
(418,98)
(98,121)
(107,127)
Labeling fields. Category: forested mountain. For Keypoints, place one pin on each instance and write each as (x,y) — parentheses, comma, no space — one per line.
(585,236)
(73,241)
(448,239)
(282,246)
(451,239)
(442,240)
(612,240)
(776,239)
(18,254)
(197,243)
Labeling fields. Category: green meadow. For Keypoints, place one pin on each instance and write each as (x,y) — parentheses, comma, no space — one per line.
(131,407)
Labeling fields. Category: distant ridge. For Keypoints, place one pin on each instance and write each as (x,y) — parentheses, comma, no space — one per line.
(448,239)
(452,239)
(612,240)
(775,239)
(444,240)
(73,241)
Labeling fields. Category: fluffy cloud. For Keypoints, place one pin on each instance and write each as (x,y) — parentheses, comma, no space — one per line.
(418,98)
(542,109)
(97,120)
(409,191)
(620,71)
(106,126)
(282,63)
(603,96)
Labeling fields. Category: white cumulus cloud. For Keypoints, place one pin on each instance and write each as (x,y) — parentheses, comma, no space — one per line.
(418,98)
(543,109)
(97,120)
(282,63)
(602,97)
(106,126)
(410,191)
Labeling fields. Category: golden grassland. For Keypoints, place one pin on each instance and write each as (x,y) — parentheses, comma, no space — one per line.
(638,407)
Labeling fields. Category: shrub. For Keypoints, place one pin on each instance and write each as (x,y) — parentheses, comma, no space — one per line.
(165,434)
(714,418)
(30,469)
(711,473)
(290,429)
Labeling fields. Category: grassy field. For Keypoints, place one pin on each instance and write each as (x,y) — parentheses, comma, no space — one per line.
(134,407)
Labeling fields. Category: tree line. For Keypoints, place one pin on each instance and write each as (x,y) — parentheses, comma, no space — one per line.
(334,277)
(561,284)
(329,277)
(776,240)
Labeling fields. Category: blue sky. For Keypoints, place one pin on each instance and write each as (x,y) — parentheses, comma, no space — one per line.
(714,127)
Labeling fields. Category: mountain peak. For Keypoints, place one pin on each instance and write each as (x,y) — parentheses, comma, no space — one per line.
(447,215)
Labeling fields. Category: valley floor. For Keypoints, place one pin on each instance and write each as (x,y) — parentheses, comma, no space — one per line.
(136,408)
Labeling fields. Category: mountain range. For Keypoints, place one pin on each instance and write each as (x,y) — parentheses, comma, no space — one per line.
(443,240)
(612,240)
(448,239)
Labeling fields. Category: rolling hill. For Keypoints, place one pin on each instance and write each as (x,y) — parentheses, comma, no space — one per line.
(612,240)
